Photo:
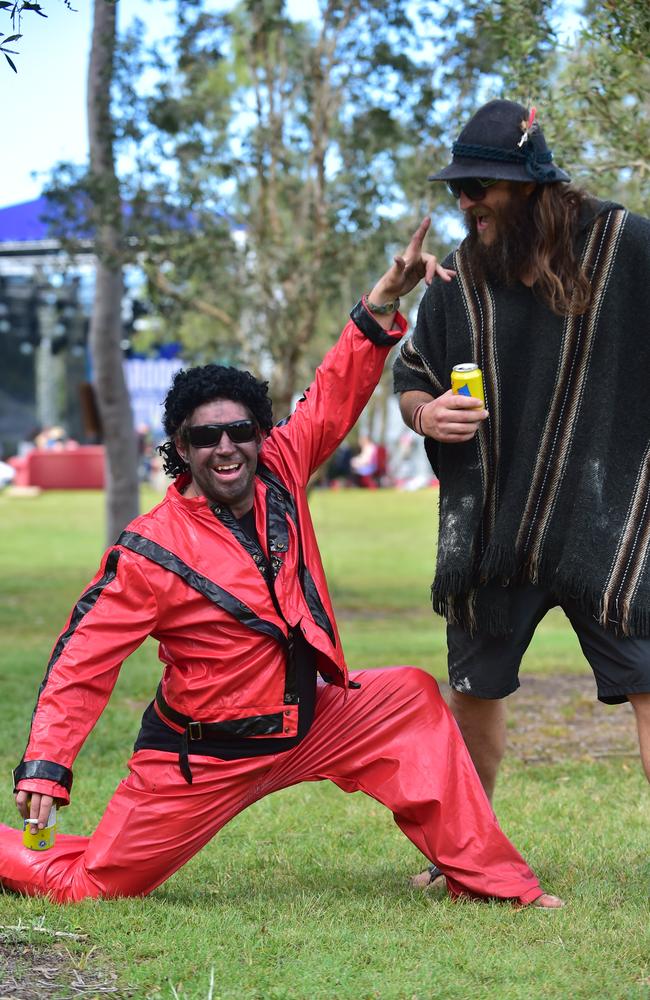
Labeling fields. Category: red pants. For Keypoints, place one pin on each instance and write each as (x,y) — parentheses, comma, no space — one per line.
(393,739)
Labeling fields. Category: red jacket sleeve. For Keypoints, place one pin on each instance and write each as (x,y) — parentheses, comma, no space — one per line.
(109,621)
(330,407)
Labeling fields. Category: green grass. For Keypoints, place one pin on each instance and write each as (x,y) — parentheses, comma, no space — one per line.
(304,895)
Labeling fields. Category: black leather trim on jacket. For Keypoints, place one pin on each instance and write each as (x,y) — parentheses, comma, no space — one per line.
(277,529)
(269,571)
(85,604)
(45,769)
(315,604)
(252,725)
(193,730)
(276,487)
(217,595)
(277,492)
(254,549)
(370,328)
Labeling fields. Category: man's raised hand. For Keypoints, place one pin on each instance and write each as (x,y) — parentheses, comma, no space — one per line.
(409,268)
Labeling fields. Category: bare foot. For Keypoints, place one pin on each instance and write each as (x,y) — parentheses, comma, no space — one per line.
(433,877)
(548,902)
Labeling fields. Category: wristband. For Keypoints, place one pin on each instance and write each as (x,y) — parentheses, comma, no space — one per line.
(416,419)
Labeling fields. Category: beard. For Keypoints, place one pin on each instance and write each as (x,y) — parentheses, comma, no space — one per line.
(508,256)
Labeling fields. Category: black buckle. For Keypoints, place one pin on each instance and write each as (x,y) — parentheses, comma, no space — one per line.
(194,731)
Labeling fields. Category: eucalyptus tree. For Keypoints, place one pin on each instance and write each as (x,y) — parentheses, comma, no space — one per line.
(105,216)
(281,141)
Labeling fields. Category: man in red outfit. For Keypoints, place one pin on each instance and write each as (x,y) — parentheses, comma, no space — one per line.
(225,574)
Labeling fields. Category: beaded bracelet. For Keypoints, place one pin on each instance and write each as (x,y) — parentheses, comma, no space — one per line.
(387,309)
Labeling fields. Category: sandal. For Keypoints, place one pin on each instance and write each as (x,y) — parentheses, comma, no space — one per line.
(427,878)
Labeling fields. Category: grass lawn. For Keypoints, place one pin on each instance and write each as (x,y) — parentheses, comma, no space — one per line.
(304,895)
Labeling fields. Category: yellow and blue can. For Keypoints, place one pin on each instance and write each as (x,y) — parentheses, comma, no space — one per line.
(467,380)
(42,839)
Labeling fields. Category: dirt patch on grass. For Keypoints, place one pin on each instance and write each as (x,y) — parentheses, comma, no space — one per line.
(30,972)
(552,718)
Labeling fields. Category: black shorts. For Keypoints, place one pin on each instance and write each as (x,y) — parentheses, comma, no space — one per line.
(487,666)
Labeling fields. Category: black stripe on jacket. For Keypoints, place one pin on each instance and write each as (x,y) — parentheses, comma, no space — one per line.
(211,591)
(44,768)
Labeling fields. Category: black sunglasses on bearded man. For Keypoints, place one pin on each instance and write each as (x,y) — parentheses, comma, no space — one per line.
(475,188)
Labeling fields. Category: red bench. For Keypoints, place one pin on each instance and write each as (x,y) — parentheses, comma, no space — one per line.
(77,468)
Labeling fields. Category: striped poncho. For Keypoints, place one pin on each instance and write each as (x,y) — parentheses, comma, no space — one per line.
(555,486)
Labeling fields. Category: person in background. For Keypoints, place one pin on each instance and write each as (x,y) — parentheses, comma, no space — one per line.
(365,464)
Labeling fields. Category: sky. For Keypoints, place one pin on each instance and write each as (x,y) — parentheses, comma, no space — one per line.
(43,105)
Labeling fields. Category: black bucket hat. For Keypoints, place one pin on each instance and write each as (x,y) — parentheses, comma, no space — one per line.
(502,141)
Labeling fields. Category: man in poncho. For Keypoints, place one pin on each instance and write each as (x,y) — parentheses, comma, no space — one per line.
(544,490)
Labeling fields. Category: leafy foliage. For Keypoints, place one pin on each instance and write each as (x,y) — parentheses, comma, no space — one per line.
(283,138)
(15,9)
(603,94)
(591,93)
(276,165)
(6,51)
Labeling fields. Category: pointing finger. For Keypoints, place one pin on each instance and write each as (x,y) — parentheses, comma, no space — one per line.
(417,239)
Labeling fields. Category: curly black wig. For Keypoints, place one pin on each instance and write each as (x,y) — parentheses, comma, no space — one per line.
(194,386)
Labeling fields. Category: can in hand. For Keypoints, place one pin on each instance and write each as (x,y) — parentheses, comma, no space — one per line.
(467,380)
(42,839)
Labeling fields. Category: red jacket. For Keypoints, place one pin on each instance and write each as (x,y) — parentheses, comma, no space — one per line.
(180,574)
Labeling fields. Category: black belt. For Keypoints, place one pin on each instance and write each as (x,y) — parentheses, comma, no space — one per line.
(252,725)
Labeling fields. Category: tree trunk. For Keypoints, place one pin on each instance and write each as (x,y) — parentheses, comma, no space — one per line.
(106,322)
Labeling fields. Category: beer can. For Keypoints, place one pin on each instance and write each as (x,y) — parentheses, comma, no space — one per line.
(42,839)
(467,380)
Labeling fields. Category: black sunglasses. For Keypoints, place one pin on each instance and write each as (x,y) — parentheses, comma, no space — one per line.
(474,187)
(209,435)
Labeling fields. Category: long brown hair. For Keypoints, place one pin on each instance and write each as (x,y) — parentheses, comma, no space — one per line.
(559,281)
